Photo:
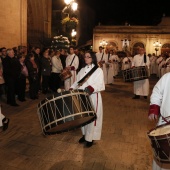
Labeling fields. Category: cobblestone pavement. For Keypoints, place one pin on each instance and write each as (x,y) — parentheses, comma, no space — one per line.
(124,144)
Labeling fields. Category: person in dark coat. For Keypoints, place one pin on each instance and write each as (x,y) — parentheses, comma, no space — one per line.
(32,76)
(22,79)
(45,72)
(11,71)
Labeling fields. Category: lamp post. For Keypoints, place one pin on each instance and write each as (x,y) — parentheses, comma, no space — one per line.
(103,43)
(157,45)
(73,35)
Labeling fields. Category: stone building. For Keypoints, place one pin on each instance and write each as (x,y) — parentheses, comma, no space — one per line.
(130,38)
(25,22)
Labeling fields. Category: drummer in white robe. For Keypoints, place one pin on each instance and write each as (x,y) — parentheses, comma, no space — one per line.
(167,63)
(93,86)
(153,68)
(126,62)
(3,121)
(72,60)
(159,103)
(103,58)
(158,61)
(116,61)
(141,87)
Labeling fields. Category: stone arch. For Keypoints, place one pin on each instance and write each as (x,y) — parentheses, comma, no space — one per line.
(112,45)
(165,48)
(136,47)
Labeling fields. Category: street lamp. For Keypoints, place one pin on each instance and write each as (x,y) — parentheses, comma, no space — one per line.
(103,43)
(73,35)
(157,45)
(74,5)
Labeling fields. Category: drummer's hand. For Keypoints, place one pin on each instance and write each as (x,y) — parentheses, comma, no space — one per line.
(152,117)
(68,67)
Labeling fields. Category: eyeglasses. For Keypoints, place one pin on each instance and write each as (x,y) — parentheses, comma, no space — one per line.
(87,57)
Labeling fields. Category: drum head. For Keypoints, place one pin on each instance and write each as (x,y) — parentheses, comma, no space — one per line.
(65,111)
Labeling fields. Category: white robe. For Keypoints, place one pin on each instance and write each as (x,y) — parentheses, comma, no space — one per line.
(161,97)
(126,64)
(68,82)
(96,80)
(153,68)
(168,65)
(141,87)
(1,117)
(103,57)
(158,61)
(115,65)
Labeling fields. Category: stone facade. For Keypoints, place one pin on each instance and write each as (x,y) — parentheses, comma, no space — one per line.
(136,36)
(13,27)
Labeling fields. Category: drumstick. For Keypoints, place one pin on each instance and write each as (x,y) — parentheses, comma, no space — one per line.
(60,90)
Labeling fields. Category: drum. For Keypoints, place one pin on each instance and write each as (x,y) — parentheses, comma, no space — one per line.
(160,142)
(65,111)
(65,74)
(135,74)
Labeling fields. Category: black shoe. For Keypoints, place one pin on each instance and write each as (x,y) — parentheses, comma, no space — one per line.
(136,97)
(5,122)
(14,104)
(82,140)
(145,97)
(89,144)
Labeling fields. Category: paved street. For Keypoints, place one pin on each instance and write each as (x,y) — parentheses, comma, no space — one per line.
(124,144)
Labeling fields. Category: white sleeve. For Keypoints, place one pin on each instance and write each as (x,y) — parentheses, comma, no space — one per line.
(157,93)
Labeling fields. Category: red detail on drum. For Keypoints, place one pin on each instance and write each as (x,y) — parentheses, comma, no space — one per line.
(91,89)
(72,68)
(96,109)
(154,109)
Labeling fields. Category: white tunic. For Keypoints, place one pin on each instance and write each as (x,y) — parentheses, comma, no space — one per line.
(126,63)
(103,57)
(161,97)
(141,87)
(153,68)
(96,80)
(168,65)
(115,65)
(68,82)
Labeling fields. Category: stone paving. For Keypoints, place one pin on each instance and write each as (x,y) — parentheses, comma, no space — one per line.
(124,144)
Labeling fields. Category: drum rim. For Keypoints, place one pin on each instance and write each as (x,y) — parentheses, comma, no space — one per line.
(73,128)
(160,136)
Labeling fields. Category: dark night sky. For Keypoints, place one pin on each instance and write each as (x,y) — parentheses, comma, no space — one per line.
(135,12)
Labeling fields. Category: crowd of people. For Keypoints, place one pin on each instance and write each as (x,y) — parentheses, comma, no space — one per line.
(43,70)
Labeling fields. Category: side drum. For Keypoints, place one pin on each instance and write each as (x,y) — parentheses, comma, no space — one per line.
(160,142)
(65,74)
(65,111)
(135,74)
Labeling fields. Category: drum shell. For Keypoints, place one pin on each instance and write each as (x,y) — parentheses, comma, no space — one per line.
(160,145)
(65,74)
(65,111)
(135,74)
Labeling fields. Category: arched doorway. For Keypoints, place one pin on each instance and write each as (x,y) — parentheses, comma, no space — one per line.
(136,47)
(165,48)
(112,46)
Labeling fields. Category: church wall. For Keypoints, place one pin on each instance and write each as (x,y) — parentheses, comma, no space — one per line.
(13,27)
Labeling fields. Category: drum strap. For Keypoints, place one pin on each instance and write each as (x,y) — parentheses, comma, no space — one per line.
(102,57)
(108,56)
(168,122)
(86,77)
(145,58)
(72,60)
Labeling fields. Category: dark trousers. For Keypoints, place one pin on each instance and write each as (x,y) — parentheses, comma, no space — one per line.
(45,83)
(55,81)
(21,88)
(33,87)
(11,84)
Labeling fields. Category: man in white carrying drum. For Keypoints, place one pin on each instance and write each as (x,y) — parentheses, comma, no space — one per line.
(159,108)
(141,87)
(93,85)
(72,63)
